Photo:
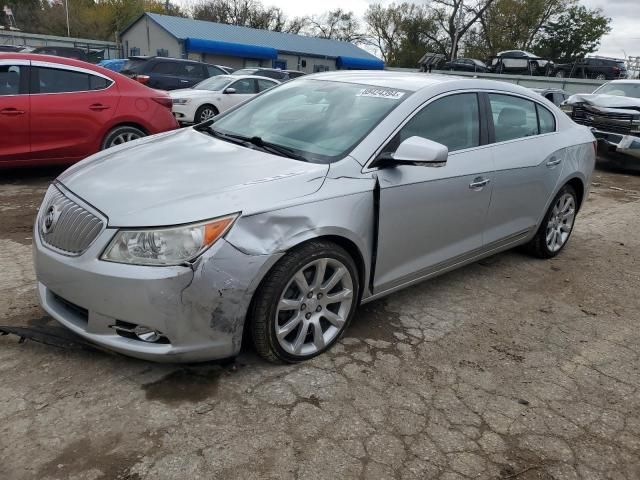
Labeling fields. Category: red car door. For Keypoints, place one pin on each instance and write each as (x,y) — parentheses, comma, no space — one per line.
(14,110)
(70,110)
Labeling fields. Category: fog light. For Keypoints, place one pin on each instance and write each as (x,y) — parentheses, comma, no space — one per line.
(147,335)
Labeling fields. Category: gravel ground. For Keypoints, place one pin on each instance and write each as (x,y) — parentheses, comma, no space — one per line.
(509,368)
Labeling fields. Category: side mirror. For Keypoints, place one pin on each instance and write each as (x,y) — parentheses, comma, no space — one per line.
(229,90)
(416,151)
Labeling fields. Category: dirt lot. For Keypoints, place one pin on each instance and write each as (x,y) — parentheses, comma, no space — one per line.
(509,368)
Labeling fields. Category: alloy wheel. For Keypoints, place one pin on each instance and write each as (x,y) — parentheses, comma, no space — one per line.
(560,222)
(206,114)
(124,138)
(314,307)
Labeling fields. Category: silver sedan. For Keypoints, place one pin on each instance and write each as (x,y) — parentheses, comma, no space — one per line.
(284,214)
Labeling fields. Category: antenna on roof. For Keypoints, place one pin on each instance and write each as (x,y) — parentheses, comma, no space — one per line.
(12,20)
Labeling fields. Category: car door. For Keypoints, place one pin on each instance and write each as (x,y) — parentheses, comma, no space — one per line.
(15,110)
(70,107)
(433,217)
(168,75)
(238,92)
(528,165)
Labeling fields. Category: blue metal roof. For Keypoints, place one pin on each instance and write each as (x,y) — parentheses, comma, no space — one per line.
(187,28)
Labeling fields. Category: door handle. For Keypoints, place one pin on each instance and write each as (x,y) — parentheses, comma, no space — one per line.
(478,183)
(184,81)
(98,107)
(12,111)
(553,161)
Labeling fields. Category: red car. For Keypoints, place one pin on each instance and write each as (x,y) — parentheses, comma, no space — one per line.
(57,110)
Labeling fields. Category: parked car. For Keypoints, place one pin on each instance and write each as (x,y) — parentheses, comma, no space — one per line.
(166,73)
(554,95)
(56,110)
(613,113)
(227,70)
(280,75)
(285,213)
(294,73)
(66,52)
(466,65)
(114,64)
(215,95)
(596,68)
(13,48)
(520,62)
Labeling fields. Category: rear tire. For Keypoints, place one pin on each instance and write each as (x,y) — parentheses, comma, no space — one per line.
(120,135)
(305,303)
(556,227)
(204,113)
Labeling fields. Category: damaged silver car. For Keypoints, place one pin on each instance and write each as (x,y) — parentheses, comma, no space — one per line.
(279,217)
(612,112)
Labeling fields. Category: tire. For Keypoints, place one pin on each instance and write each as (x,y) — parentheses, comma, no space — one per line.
(280,303)
(560,74)
(120,135)
(556,227)
(601,76)
(205,112)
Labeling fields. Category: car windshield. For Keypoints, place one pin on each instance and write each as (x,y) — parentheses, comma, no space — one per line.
(246,71)
(320,121)
(620,89)
(133,64)
(215,84)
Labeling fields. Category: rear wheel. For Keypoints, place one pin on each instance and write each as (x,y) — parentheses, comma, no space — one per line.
(305,303)
(601,76)
(120,135)
(204,113)
(557,225)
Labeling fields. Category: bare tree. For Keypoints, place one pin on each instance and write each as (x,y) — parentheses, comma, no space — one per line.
(336,24)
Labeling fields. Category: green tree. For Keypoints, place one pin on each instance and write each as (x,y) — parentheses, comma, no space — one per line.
(573,34)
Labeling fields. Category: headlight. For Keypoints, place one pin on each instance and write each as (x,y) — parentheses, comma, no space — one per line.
(166,246)
(566,108)
(180,101)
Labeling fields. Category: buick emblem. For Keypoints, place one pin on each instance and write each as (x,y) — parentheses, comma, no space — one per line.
(50,219)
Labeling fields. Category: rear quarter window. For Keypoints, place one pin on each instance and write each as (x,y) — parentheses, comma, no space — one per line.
(546,119)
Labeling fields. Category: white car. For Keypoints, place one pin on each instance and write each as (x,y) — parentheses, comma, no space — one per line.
(215,95)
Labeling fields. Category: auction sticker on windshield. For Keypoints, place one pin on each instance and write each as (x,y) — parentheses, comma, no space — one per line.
(381,93)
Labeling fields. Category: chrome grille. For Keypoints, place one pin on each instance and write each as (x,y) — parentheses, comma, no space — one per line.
(74,228)
(606,121)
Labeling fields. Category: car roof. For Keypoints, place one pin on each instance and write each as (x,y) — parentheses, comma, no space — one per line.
(416,81)
(53,59)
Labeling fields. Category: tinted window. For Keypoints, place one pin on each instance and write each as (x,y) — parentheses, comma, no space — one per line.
(193,71)
(166,68)
(9,79)
(213,71)
(98,83)
(53,80)
(513,117)
(546,119)
(452,121)
(134,65)
(265,84)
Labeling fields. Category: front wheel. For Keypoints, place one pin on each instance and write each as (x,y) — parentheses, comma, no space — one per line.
(305,303)
(120,135)
(204,113)
(557,225)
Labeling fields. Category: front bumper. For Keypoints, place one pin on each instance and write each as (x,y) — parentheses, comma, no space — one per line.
(199,309)
(626,144)
(184,113)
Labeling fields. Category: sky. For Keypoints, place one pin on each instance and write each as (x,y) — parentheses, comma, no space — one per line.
(624,39)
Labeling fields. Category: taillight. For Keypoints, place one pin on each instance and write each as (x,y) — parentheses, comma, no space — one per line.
(616,69)
(164,101)
(143,79)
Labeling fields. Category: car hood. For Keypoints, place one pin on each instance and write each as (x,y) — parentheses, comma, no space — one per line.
(187,176)
(605,101)
(189,93)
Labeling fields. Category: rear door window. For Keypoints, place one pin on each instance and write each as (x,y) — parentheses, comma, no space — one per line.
(55,80)
(265,84)
(546,120)
(513,117)
(10,79)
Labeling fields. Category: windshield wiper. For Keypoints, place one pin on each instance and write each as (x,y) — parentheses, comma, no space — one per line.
(244,140)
